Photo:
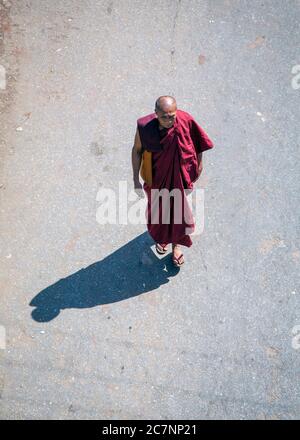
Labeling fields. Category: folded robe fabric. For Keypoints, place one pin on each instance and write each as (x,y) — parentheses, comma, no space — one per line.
(174,166)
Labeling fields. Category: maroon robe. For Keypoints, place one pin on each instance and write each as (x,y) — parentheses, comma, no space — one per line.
(174,165)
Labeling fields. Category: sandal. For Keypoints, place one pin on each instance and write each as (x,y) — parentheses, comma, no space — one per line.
(176,259)
(161,248)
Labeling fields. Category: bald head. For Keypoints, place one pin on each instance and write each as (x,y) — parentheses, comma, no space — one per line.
(165,109)
(165,104)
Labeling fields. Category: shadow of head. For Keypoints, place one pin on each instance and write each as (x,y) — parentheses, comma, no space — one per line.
(131,270)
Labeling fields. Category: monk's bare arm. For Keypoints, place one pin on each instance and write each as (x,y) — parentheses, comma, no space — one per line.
(200,162)
(136,158)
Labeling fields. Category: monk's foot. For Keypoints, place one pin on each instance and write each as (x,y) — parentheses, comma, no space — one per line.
(177,255)
(161,248)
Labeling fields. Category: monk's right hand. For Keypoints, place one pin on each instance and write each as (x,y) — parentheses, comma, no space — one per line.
(138,188)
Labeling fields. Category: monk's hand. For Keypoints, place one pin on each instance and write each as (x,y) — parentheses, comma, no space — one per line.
(138,188)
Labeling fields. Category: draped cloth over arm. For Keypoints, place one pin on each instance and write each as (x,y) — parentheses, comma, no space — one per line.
(200,139)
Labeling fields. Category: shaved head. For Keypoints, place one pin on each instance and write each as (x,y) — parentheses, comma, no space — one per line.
(165,109)
(165,104)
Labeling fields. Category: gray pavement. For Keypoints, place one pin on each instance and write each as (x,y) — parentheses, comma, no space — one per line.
(96,325)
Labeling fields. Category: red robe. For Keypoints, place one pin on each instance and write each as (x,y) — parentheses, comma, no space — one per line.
(174,165)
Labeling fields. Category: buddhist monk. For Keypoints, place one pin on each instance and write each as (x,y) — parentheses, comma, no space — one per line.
(176,142)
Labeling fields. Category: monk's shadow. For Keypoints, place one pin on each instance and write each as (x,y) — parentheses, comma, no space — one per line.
(131,270)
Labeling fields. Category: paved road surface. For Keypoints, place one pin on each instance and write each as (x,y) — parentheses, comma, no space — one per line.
(96,325)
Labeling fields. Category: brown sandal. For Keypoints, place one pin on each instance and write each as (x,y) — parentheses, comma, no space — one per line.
(176,259)
(161,248)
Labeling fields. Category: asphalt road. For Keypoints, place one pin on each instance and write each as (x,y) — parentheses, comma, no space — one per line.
(92,323)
